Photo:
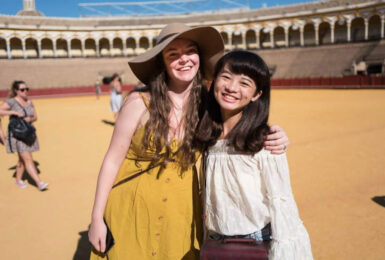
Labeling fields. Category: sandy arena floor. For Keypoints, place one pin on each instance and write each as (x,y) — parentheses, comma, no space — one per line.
(336,159)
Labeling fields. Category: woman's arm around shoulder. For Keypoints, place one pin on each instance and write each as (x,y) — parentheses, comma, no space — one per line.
(277,141)
(126,124)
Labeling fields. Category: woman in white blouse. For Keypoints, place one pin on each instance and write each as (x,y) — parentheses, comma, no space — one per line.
(248,192)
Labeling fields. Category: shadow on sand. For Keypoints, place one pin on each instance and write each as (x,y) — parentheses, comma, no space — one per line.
(380,200)
(83,249)
(25,174)
(108,122)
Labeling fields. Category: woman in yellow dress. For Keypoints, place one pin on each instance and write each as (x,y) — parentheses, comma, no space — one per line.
(147,190)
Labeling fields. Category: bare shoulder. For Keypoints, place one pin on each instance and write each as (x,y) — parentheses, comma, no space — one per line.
(134,100)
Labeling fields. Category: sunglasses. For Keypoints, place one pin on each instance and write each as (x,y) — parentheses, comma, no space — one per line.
(23,89)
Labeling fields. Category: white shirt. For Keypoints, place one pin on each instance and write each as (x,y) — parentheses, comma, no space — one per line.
(246,192)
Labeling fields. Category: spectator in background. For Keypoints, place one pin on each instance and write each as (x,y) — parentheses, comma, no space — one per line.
(116,99)
(97,88)
(18,104)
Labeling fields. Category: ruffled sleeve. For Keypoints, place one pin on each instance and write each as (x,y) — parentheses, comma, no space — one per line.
(290,240)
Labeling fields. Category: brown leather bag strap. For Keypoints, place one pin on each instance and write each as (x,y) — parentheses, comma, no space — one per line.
(136,175)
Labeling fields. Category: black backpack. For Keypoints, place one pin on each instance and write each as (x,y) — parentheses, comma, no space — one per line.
(21,129)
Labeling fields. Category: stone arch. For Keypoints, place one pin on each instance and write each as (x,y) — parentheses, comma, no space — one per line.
(31,48)
(144,44)
(357,29)
(47,48)
(264,37)
(130,46)
(3,48)
(117,47)
(374,32)
(279,37)
(90,47)
(76,48)
(309,34)
(324,33)
(236,37)
(251,40)
(340,31)
(294,36)
(16,47)
(61,48)
(225,38)
(104,47)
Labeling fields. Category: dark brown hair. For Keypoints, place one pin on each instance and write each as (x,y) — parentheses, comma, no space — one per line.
(249,133)
(15,86)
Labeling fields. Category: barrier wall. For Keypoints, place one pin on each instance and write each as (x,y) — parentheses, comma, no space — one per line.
(354,81)
(347,82)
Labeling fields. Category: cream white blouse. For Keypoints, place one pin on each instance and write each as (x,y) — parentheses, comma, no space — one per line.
(246,192)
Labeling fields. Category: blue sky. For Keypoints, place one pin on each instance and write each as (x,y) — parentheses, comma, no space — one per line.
(69,8)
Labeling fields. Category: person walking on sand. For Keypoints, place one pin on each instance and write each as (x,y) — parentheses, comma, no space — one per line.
(18,104)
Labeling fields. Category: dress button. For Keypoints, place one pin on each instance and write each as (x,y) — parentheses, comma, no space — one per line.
(153,253)
(167,180)
(164,199)
(160,218)
(157,235)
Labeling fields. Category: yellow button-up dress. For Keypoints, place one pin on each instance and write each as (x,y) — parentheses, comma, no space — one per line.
(156,215)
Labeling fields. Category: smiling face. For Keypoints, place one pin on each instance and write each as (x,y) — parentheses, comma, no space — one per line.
(233,92)
(181,59)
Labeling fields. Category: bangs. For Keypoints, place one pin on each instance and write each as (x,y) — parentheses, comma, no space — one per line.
(245,63)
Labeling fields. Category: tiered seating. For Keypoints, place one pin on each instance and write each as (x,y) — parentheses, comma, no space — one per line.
(377,55)
(322,61)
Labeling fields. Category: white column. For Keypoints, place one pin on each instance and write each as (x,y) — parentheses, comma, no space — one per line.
(83,46)
(271,38)
(332,32)
(23,46)
(97,48)
(54,48)
(111,47)
(125,47)
(69,48)
(349,28)
(136,44)
(301,31)
(257,38)
(366,20)
(316,29)
(286,36)
(243,39)
(39,48)
(382,26)
(8,48)
(230,40)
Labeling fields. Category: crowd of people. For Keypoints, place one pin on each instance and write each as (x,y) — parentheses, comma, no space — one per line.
(192,157)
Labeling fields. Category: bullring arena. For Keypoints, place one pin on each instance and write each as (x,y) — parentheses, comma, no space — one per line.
(327,60)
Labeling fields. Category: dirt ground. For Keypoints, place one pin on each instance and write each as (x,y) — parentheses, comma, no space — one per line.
(336,159)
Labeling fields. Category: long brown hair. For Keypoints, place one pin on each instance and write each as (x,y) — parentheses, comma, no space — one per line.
(157,127)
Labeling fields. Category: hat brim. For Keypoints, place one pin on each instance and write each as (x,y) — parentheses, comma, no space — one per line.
(210,44)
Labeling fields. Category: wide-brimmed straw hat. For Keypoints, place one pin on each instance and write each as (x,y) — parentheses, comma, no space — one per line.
(208,39)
